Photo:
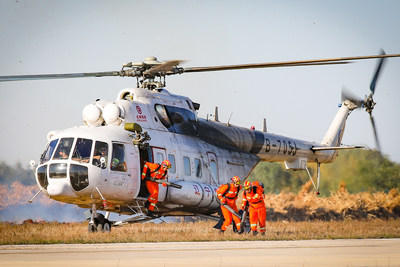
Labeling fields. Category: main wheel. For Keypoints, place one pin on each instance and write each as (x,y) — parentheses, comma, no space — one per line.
(107,227)
(92,228)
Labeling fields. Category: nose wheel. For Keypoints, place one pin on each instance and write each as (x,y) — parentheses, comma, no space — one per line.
(98,222)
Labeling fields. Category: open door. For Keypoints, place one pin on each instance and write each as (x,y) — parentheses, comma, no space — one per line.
(159,154)
(146,155)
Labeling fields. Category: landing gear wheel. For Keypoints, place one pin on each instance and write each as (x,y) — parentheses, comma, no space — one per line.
(107,227)
(92,228)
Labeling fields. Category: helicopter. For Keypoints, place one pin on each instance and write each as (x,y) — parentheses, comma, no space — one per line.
(98,165)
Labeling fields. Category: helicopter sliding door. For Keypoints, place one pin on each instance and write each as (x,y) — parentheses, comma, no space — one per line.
(134,171)
(122,169)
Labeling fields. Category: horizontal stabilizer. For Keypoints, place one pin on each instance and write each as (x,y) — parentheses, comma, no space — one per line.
(320,148)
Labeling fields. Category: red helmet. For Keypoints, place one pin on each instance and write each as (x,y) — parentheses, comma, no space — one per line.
(166,163)
(247,185)
(236,180)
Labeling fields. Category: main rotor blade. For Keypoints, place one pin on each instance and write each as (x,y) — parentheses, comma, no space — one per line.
(167,66)
(378,146)
(341,60)
(58,76)
(376,75)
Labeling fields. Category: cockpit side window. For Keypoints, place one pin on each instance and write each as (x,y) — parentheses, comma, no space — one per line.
(82,150)
(183,120)
(162,115)
(100,155)
(46,156)
(64,148)
(177,120)
(118,158)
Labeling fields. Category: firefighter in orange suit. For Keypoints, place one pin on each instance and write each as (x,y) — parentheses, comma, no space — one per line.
(227,194)
(253,197)
(154,171)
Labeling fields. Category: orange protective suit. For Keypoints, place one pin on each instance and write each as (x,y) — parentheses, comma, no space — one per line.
(155,171)
(227,194)
(254,197)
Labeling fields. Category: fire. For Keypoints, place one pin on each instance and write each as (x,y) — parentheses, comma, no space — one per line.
(19,194)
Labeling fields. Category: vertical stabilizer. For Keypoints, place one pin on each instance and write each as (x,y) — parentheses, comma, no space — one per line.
(333,136)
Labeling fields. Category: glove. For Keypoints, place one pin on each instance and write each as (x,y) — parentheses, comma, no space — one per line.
(223,200)
(164,184)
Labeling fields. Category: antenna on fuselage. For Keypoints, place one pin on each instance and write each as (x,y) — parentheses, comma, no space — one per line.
(265,125)
(216,114)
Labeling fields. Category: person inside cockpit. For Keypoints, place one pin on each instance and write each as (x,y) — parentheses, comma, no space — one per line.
(62,154)
(100,156)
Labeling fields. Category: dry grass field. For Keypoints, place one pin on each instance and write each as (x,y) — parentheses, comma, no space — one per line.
(340,205)
(289,217)
(48,233)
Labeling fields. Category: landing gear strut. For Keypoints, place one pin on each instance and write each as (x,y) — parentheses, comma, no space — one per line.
(316,187)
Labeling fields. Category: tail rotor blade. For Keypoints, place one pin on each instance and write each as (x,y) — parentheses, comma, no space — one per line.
(377,72)
(378,146)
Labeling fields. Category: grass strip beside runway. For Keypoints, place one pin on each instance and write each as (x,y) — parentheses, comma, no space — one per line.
(53,232)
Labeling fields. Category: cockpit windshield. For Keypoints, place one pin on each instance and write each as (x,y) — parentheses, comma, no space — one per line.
(64,148)
(48,152)
(82,150)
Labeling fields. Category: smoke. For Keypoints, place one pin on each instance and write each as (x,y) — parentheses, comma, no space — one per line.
(14,206)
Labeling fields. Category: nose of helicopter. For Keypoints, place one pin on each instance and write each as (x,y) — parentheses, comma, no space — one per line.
(59,189)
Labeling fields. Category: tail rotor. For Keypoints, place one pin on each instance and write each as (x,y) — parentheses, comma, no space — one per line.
(368,102)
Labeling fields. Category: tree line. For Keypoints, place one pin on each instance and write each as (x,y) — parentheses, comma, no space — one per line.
(359,170)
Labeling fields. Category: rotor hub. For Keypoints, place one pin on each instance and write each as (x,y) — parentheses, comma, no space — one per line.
(369,104)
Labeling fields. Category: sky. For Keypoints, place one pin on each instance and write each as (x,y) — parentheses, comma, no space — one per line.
(40,37)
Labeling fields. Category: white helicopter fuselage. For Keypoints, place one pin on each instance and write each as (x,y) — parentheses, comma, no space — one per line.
(203,153)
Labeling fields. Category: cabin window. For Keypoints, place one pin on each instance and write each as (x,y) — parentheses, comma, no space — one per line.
(64,148)
(186,165)
(46,156)
(100,155)
(197,167)
(163,116)
(118,158)
(159,157)
(83,147)
(171,159)
(214,170)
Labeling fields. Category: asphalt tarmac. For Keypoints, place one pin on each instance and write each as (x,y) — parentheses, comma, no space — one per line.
(344,252)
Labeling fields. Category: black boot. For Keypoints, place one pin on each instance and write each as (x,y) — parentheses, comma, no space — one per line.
(150,213)
(255,233)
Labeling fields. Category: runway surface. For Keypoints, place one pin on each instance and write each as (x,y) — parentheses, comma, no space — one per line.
(345,252)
